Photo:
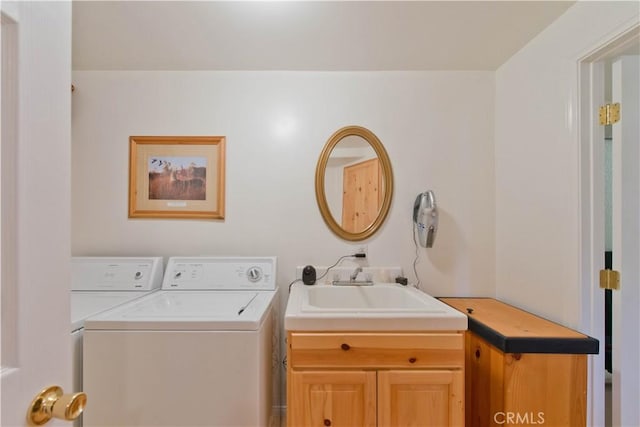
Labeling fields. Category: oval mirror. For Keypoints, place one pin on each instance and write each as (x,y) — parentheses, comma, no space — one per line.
(354,183)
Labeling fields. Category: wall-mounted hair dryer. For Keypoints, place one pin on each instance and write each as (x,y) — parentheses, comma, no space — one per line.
(425,218)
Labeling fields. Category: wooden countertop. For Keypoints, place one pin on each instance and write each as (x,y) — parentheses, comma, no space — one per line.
(513,330)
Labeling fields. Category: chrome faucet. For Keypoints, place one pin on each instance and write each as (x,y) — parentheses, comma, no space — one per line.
(354,275)
(352,280)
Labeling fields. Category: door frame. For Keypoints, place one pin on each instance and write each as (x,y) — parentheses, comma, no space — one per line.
(591,94)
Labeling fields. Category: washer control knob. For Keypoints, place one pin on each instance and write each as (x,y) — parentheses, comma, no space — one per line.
(254,274)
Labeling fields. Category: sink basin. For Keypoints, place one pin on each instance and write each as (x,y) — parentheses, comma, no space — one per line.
(364,298)
(380,307)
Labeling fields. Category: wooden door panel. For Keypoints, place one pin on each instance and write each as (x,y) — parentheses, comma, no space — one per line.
(361,196)
(420,398)
(337,399)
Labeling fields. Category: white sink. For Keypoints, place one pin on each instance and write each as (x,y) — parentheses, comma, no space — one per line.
(380,307)
(383,297)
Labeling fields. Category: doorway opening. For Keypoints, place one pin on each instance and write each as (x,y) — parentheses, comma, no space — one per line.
(599,226)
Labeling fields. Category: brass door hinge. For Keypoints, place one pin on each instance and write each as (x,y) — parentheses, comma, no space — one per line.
(609,114)
(610,279)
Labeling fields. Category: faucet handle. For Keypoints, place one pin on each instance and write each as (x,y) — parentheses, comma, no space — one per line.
(355,273)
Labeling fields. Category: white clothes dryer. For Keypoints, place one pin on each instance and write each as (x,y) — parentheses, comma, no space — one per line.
(200,352)
(101,283)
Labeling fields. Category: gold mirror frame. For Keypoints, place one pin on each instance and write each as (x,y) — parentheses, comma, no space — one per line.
(387,177)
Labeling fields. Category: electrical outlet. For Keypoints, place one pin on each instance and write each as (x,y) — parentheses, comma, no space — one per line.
(362,249)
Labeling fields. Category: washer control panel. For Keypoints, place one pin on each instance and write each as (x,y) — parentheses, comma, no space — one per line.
(221,273)
(115,274)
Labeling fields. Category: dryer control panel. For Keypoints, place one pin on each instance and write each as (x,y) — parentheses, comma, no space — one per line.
(116,273)
(222,273)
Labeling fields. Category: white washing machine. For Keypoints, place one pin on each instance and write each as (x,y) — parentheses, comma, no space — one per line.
(101,283)
(199,352)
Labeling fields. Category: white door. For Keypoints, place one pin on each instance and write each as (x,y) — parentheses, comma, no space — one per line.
(626,243)
(35,203)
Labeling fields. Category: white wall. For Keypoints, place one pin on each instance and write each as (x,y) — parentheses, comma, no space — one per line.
(537,161)
(437,128)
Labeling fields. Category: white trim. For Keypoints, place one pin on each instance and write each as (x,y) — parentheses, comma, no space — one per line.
(590,96)
(592,236)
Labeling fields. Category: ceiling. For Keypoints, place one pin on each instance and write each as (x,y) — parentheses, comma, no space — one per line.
(305,35)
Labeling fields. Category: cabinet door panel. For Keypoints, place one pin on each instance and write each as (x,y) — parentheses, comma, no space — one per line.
(534,388)
(547,388)
(420,398)
(337,399)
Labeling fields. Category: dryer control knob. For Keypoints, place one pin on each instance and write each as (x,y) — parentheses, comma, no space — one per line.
(254,274)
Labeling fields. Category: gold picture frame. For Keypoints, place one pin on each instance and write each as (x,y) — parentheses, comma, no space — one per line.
(176,177)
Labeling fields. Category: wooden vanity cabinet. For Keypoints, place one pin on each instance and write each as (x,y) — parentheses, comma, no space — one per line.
(375,379)
(522,369)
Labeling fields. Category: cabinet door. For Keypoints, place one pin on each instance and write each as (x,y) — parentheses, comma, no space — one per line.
(420,398)
(332,398)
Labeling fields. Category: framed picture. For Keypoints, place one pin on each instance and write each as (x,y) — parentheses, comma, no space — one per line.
(176,177)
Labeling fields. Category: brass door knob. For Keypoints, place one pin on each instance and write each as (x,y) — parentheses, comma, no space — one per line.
(53,403)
